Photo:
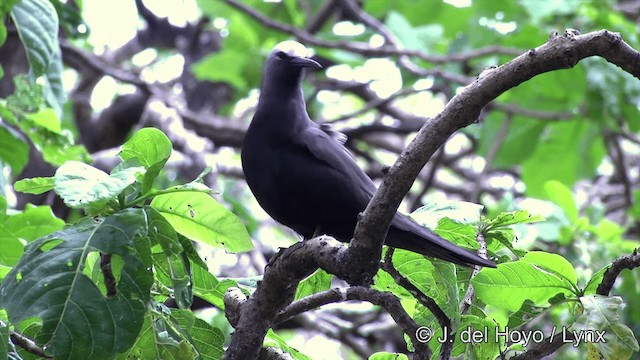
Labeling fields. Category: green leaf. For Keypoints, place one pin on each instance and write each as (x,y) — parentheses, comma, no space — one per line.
(160,338)
(178,267)
(209,288)
(161,232)
(33,223)
(4,340)
(535,277)
(38,185)
(602,315)
(274,340)
(459,234)
(208,340)
(470,325)
(596,279)
(459,211)
(512,218)
(232,61)
(387,356)
(5,7)
(27,97)
(519,143)
(13,150)
(3,207)
(37,24)
(62,151)
(579,142)
(561,195)
(191,252)
(436,279)
(78,321)
(4,270)
(151,148)
(319,281)
(16,230)
(414,38)
(12,247)
(46,118)
(55,93)
(554,263)
(200,217)
(81,185)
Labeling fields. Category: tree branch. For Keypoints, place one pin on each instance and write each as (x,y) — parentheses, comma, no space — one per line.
(559,52)
(624,262)
(427,301)
(365,49)
(277,288)
(386,300)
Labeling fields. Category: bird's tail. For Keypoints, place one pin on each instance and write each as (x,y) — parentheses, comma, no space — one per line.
(406,234)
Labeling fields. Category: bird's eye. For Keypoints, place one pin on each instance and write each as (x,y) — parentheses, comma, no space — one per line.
(282,55)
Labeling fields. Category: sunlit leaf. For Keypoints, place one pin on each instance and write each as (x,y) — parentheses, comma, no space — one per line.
(200,217)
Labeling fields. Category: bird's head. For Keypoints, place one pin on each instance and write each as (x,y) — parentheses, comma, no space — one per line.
(286,61)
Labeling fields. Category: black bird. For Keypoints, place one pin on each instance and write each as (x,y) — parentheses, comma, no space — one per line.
(304,177)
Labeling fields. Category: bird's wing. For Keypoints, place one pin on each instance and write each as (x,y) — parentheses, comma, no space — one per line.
(327,149)
(340,137)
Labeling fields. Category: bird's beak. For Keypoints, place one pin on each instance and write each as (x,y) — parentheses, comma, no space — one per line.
(305,62)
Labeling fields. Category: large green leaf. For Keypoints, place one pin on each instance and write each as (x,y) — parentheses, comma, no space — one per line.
(176,336)
(537,277)
(78,321)
(17,229)
(160,338)
(37,24)
(601,316)
(436,279)
(47,119)
(415,38)
(208,340)
(459,211)
(33,223)
(561,195)
(209,288)
(81,185)
(200,217)
(466,338)
(567,152)
(519,143)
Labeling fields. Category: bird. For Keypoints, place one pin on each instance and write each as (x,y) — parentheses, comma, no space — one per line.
(304,177)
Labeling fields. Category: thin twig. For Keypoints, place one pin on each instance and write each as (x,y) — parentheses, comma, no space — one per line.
(363,48)
(109,280)
(427,301)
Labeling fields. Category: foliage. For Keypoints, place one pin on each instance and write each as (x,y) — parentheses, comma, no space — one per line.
(93,285)
(61,276)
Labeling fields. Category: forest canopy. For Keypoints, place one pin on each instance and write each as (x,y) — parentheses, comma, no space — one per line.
(511,129)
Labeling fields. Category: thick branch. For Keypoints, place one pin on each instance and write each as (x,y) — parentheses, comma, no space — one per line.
(559,52)
(281,278)
(624,262)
